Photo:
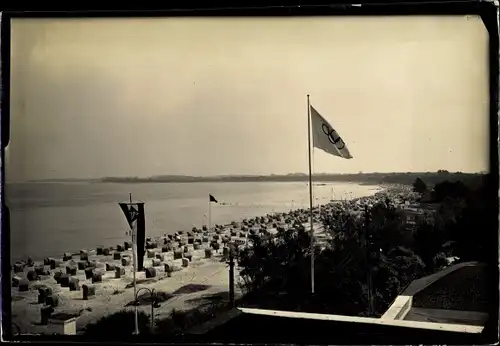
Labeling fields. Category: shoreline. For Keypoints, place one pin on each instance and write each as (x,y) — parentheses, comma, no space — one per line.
(254,213)
(114,293)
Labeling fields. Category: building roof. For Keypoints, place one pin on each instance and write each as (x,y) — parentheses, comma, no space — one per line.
(243,325)
(460,294)
(463,287)
(472,318)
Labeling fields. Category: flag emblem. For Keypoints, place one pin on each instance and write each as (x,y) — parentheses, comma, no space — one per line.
(133,214)
(212,198)
(333,136)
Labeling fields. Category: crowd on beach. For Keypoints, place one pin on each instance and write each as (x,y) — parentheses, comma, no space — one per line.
(59,285)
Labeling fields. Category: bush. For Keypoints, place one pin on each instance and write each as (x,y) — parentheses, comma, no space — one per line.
(429,239)
(419,186)
(466,222)
(451,189)
(118,326)
(278,260)
(180,321)
(282,268)
(439,261)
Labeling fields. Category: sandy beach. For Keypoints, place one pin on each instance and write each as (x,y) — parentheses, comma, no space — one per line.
(113,294)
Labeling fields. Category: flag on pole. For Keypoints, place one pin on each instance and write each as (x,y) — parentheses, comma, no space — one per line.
(326,138)
(212,199)
(134,213)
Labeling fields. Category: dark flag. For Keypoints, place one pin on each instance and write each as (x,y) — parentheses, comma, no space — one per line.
(212,198)
(134,212)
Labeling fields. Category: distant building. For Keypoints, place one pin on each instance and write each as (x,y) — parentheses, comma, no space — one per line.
(412,212)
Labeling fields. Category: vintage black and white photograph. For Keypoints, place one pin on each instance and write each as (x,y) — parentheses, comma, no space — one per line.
(228,178)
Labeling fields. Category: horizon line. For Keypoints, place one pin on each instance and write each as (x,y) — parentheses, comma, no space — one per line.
(237,175)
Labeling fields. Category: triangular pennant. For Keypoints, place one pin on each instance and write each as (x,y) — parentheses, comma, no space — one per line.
(131,213)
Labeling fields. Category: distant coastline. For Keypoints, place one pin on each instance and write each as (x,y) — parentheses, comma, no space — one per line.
(358,178)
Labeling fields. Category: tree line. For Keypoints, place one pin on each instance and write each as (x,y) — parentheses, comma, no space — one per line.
(406,178)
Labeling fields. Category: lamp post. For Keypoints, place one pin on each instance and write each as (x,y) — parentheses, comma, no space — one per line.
(154,304)
(232,248)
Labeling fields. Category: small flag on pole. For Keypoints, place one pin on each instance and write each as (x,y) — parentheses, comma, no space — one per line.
(212,198)
(134,213)
(326,138)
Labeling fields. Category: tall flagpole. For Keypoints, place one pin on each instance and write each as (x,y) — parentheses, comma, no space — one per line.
(134,257)
(310,190)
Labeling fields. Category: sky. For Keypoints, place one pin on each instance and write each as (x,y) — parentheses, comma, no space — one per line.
(209,96)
